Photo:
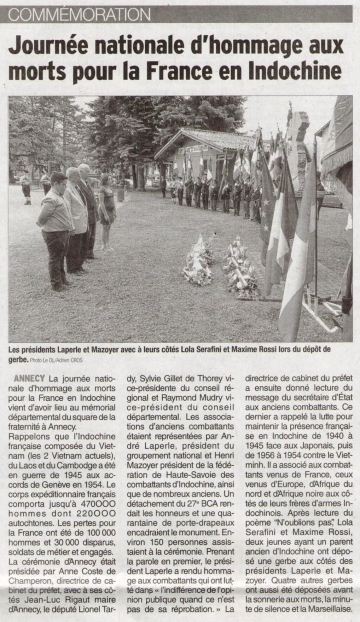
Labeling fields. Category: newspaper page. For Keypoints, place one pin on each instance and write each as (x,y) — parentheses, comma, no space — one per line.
(178,362)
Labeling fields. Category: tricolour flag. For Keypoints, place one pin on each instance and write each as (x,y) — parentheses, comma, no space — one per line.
(267,206)
(189,167)
(255,159)
(272,153)
(277,158)
(282,230)
(246,162)
(201,164)
(237,166)
(184,166)
(224,175)
(209,174)
(175,168)
(302,263)
(253,165)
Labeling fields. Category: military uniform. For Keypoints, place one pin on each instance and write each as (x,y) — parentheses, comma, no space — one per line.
(226,194)
(197,192)
(214,195)
(205,194)
(189,190)
(180,190)
(237,198)
(246,195)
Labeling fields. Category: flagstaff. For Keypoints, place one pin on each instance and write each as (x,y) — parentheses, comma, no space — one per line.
(316,232)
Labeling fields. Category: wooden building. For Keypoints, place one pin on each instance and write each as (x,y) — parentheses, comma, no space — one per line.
(184,151)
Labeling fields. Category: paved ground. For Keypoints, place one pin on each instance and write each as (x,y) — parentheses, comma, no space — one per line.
(137,294)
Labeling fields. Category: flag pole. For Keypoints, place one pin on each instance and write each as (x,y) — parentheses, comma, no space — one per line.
(316,231)
(307,305)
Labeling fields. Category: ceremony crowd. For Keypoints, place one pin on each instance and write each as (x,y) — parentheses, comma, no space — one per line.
(70,211)
(206,193)
(68,217)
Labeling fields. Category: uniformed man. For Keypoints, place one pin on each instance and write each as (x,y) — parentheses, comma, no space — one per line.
(205,193)
(189,191)
(180,190)
(214,195)
(226,194)
(197,192)
(246,194)
(237,197)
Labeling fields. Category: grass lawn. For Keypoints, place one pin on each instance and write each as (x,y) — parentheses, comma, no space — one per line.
(137,294)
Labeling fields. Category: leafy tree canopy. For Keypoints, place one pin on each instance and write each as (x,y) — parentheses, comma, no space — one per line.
(44,129)
(131,129)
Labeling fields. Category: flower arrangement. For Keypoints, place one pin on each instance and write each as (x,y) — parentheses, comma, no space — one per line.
(242,279)
(197,269)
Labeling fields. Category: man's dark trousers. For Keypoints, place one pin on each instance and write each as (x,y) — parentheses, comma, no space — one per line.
(57,244)
(89,198)
(76,253)
(91,232)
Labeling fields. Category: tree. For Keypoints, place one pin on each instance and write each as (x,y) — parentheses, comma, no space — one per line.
(68,126)
(44,129)
(122,132)
(170,114)
(221,114)
(30,133)
(126,132)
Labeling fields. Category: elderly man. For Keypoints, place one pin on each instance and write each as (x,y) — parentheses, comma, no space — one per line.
(89,196)
(56,223)
(77,248)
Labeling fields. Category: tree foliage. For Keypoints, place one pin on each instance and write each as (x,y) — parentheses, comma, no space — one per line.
(118,133)
(127,131)
(121,129)
(44,129)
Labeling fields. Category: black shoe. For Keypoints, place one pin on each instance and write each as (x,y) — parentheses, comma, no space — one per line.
(67,283)
(58,288)
(92,256)
(83,270)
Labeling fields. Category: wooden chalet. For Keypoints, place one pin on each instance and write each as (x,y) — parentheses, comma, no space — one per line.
(212,147)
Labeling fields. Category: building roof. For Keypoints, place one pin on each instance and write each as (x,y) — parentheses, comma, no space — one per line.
(322,129)
(217,140)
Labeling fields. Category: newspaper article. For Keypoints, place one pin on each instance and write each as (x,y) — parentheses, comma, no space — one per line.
(179,361)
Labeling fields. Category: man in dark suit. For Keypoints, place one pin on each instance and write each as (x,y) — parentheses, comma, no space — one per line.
(88,194)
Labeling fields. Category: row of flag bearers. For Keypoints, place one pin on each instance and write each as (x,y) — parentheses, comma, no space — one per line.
(206,194)
(288,233)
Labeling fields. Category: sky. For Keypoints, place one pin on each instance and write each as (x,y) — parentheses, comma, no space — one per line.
(271,111)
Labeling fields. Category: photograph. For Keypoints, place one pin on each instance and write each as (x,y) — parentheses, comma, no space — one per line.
(180,219)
